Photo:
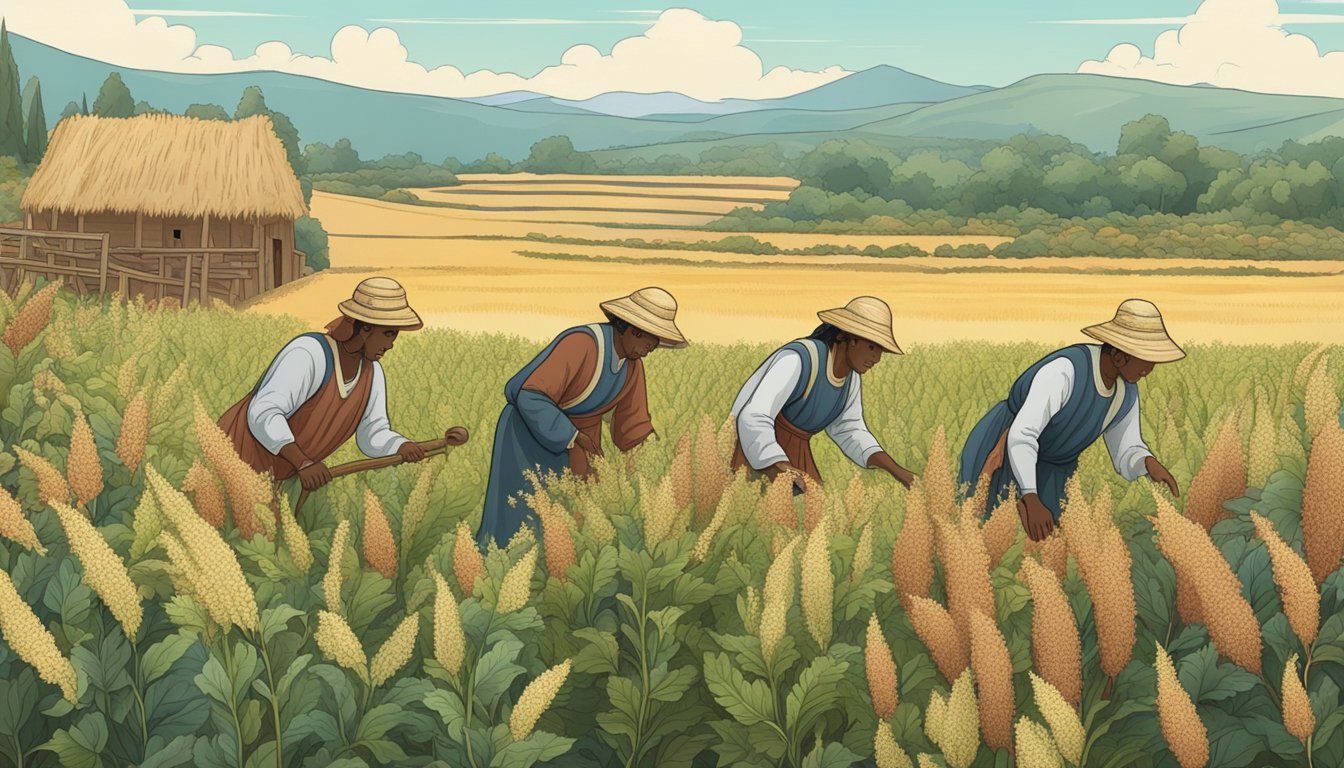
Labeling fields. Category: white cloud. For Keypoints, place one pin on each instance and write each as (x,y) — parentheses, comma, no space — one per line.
(1234,44)
(680,51)
(182,12)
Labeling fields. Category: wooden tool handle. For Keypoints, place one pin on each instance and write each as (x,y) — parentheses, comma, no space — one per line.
(431,448)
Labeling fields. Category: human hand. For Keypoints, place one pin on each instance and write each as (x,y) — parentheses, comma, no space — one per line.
(1160,474)
(586,443)
(457,436)
(785,468)
(411,452)
(904,476)
(314,475)
(1037,520)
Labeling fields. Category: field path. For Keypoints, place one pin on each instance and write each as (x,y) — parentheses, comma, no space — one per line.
(476,270)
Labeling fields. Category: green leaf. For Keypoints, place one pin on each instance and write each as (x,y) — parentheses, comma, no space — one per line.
(536,748)
(378,721)
(495,671)
(601,654)
(816,691)
(833,756)
(188,614)
(348,762)
(274,620)
(758,746)
(449,706)
(176,752)
(81,746)
(748,703)
(161,656)
(385,751)
(1207,679)
(670,686)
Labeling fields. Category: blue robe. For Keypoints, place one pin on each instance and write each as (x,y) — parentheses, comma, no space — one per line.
(1077,425)
(534,433)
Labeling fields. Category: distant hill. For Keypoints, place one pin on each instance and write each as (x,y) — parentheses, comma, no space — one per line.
(884,104)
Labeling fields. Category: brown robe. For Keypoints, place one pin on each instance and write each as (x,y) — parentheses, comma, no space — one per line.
(797,446)
(321,425)
(565,377)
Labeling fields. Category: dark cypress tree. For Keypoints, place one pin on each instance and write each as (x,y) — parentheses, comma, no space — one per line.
(11,103)
(37,128)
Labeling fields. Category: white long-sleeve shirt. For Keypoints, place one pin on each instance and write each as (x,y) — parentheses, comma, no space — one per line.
(1049,392)
(295,377)
(767,392)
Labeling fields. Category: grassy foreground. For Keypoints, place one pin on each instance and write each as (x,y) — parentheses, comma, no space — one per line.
(671,615)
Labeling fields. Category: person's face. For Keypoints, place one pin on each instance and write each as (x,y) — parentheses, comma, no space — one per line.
(378,341)
(862,354)
(638,343)
(1131,368)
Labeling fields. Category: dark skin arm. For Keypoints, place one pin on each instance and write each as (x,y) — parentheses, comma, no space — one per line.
(881,460)
(1039,523)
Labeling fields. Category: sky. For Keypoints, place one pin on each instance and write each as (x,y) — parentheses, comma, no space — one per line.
(709,49)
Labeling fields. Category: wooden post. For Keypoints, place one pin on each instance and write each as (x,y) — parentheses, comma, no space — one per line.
(139,229)
(55,219)
(121,285)
(186,280)
(102,262)
(81,223)
(261,261)
(205,262)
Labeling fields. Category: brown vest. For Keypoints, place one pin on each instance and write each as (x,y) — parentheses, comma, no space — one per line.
(321,425)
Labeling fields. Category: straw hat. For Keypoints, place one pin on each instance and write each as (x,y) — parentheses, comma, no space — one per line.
(651,310)
(1137,329)
(867,317)
(381,301)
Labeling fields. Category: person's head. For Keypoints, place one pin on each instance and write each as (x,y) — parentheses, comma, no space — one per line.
(644,321)
(1135,340)
(372,318)
(860,331)
(1130,368)
(859,353)
(368,341)
(635,342)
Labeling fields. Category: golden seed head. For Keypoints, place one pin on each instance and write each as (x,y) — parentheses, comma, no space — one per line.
(556,537)
(960,731)
(1297,589)
(15,525)
(993,669)
(818,585)
(886,752)
(1176,714)
(535,699)
(940,635)
(380,551)
(337,640)
(1062,718)
(863,554)
(516,589)
(104,571)
(31,318)
(449,642)
(396,651)
(200,482)
(468,565)
(331,581)
(777,599)
(912,554)
(1222,478)
(296,541)
(881,672)
(134,433)
(83,467)
(51,486)
(1322,524)
(1056,649)
(32,642)
(1298,717)
(1035,748)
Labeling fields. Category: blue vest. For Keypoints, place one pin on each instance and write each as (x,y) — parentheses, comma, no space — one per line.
(815,402)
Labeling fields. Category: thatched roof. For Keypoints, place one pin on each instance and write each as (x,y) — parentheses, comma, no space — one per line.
(166,165)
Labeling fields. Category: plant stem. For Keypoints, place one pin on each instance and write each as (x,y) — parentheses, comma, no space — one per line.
(275,703)
(137,688)
(18,751)
(471,689)
(1106,692)
(1306,669)
(643,674)
(233,704)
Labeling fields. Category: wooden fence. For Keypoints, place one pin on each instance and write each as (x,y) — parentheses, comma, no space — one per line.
(88,264)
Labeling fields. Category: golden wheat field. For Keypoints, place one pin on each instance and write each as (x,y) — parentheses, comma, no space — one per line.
(476,269)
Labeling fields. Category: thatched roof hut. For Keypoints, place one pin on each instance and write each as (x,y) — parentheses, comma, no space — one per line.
(166,166)
(179,198)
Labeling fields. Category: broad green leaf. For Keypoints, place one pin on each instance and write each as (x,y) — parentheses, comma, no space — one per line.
(450,708)
(816,691)
(378,721)
(385,752)
(1207,679)
(275,620)
(496,670)
(621,718)
(159,657)
(600,655)
(671,686)
(833,756)
(749,703)
(174,753)
(538,747)
(81,746)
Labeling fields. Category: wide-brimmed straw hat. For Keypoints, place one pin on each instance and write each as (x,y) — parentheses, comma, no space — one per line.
(651,310)
(867,317)
(1137,329)
(381,301)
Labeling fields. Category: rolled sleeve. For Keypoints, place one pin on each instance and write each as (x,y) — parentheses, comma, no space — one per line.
(375,436)
(293,377)
(850,431)
(759,403)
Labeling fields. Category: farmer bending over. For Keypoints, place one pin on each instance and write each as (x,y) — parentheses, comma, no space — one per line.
(552,417)
(1060,406)
(813,384)
(306,406)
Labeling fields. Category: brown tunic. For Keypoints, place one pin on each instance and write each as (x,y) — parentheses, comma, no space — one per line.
(797,446)
(566,375)
(321,425)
